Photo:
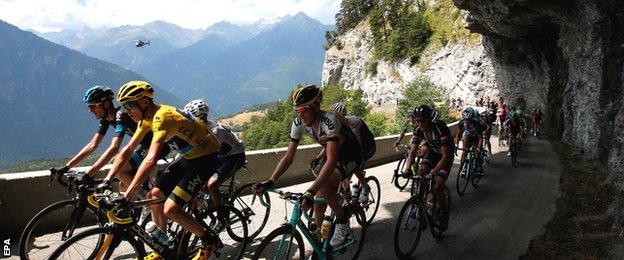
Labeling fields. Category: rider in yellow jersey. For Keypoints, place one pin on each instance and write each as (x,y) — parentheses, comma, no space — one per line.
(183,178)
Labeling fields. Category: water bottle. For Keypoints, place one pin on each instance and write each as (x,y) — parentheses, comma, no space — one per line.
(156,233)
(326,227)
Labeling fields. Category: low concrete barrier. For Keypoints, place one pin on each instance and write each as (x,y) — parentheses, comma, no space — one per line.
(24,194)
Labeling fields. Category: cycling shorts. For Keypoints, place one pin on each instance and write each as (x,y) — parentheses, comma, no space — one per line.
(229,165)
(432,158)
(181,180)
(470,140)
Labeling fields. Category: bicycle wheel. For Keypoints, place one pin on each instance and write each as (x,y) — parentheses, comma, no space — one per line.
(371,206)
(40,236)
(116,245)
(400,182)
(462,180)
(234,227)
(255,210)
(440,216)
(352,246)
(281,243)
(408,228)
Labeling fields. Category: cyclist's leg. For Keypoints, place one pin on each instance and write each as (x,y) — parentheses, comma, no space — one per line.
(165,185)
(194,178)
(479,145)
(465,145)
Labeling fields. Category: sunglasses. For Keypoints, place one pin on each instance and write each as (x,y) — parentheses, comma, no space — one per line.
(93,105)
(129,105)
(302,109)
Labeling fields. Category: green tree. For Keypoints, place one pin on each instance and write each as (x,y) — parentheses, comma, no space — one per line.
(421,92)
(377,123)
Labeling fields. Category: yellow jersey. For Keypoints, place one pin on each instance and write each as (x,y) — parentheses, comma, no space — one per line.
(181,131)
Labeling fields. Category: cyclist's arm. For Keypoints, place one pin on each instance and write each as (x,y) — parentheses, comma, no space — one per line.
(126,152)
(446,156)
(107,156)
(460,131)
(86,150)
(286,161)
(398,141)
(412,152)
(329,167)
(148,164)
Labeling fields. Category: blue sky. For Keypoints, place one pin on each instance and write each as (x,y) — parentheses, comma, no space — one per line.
(55,15)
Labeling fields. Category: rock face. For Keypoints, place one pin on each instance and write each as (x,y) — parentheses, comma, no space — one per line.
(566,57)
(466,70)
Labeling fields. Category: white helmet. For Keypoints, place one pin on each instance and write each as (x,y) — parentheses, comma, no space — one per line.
(339,108)
(197,108)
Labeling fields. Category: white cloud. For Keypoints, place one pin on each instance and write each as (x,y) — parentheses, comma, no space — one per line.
(53,15)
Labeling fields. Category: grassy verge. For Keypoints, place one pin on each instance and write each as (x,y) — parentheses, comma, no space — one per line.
(583,223)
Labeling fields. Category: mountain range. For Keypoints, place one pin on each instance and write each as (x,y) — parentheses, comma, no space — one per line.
(41,88)
(231,66)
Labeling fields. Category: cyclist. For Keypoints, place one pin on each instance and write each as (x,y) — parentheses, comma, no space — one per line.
(407,122)
(433,141)
(231,154)
(184,177)
(514,128)
(471,131)
(366,139)
(487,133)
(343,155)
(537,120)
(501,116)
(99,99)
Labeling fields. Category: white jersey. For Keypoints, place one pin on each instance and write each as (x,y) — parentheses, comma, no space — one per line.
(331,128)
(225,136)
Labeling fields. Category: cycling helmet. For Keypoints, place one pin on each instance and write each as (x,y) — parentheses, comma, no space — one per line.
(468,113)
(197,108)
(339,108)
(307,95)
(97,94)
(423,111)
(135,90)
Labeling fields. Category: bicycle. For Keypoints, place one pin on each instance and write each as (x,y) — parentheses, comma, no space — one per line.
(370,205)
(469,175)
(39,235)
(397,177)
(122,232)
(417,214)
(284,236)
(256,215)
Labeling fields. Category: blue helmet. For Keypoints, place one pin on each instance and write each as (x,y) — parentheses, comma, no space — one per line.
(469,113)
(97,94)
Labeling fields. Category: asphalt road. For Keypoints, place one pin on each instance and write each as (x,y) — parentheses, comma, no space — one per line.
(494,221)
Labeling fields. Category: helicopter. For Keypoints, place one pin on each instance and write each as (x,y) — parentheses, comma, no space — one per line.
(140,43)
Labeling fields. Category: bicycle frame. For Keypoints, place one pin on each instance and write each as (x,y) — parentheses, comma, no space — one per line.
(297,222)
(129,226)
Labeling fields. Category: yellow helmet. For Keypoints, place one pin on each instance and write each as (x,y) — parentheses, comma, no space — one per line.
(135,90)
(307,95)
